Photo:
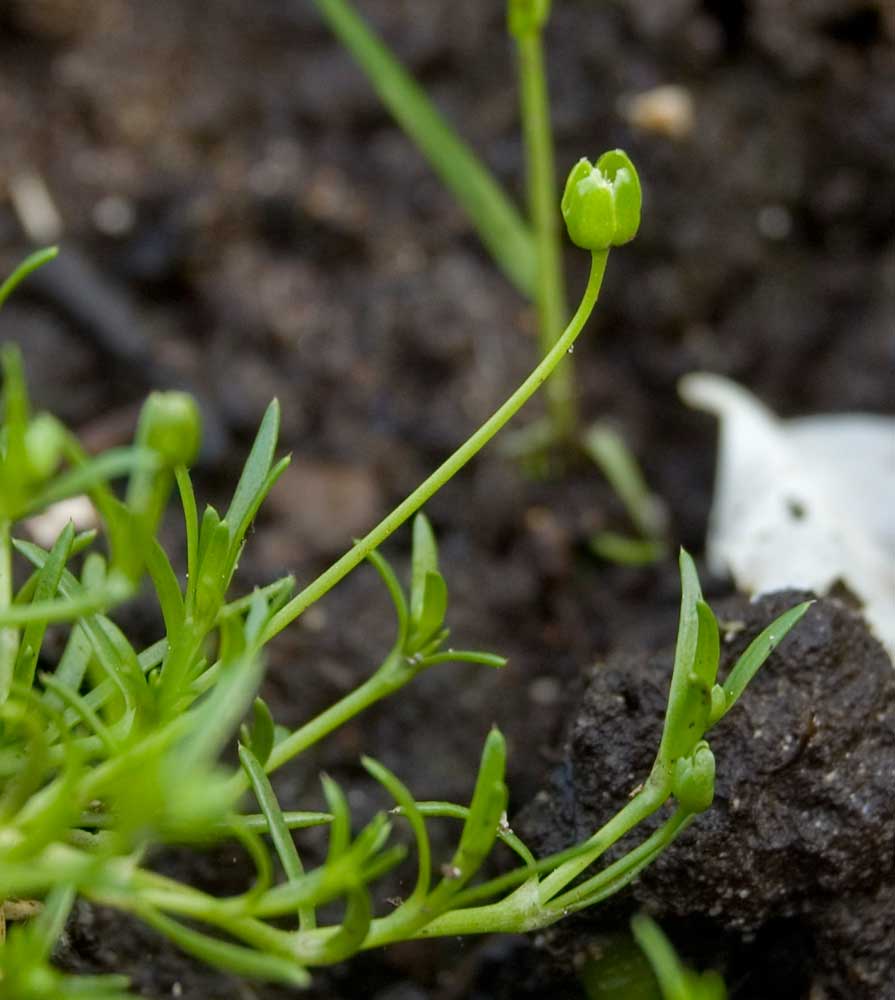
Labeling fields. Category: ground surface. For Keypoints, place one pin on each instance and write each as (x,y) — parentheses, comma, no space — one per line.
(242,217)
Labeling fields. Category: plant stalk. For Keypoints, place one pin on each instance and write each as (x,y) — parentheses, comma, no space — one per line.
(543,200)
(339,569)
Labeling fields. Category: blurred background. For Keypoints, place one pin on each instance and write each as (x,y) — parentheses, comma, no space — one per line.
(239,215)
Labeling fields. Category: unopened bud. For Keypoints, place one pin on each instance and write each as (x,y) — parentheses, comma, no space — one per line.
(601,203)
(693,784)
(524,17)
(171,426)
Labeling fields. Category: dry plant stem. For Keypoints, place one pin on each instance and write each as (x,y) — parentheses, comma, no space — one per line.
(327,580)
(542,202)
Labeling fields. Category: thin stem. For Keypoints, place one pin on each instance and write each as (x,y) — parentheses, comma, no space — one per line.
(9,637)
(383,682)
(542,201)
(644,804)
(342,567)
(620,873)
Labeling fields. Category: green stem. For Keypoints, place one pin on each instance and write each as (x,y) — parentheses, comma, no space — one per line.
(9,637)
(644,804)
(391,675)
(542,206)
(618,874)
(342,567)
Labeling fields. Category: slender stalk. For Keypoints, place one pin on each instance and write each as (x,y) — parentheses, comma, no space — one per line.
(327,580)
(372,690)
(618,874)
(644,804)
(9,637)
(382,683)
(543,200)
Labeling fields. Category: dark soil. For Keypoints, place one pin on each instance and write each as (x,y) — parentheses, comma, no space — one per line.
(271,233)
(802,831)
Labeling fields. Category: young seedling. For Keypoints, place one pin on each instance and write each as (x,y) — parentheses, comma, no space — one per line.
(115,748)
(676,981)
(645,967)
(527,249)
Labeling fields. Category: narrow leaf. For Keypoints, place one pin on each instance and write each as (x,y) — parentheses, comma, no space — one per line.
(758,651)
(257,466)
(500,227)
(423,562)
(48,578)
(432,612)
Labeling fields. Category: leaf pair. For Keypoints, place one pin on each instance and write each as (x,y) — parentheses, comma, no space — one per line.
(696,702)
(421,630)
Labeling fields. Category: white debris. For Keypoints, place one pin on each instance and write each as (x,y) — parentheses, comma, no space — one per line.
(804,503)
(666,110)
(46,527)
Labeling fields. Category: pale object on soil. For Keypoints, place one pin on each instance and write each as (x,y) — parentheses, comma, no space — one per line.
(666,110)
(805,503)
(46,527)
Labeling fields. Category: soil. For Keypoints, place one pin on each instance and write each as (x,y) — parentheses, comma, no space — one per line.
(241,217)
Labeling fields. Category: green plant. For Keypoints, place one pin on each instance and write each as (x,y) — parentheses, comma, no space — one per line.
(115,749)
(646,967)
(677,982)
(527,250)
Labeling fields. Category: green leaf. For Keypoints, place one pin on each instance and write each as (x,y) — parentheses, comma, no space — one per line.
(676,980)
(167,589)
(708,646)
(390,579)
(276,826)
(218,716)
(758,651)
(432,613)
(73,663)
(78,704)
(405,801)
(253,480)
(31,263)
(191,520)
(48,578)
(424,560)
(224,955)
(340,828)
(16,410)
(353,931)
(497,221)
(488,806)
(259,497)
(212,578)
(261,736)
(662,957)
(677,733)
(607,448)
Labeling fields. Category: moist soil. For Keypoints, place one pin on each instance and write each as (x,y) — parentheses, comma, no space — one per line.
(241,217)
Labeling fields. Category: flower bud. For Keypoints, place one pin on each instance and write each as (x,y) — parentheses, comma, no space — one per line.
(601,203)
(43,446)
(170,425)
(693,783)
(524,17)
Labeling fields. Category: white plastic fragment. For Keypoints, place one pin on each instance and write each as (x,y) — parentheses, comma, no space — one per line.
(805,503)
